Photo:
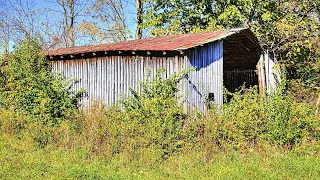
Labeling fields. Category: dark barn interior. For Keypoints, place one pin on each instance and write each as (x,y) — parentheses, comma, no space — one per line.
(241,53)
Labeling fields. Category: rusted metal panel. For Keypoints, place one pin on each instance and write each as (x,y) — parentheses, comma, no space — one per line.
(163,43)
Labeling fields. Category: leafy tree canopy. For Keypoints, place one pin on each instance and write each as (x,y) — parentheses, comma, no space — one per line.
(288,28)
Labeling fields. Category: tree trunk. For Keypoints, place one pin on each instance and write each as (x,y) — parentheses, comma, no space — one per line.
(71,23)
(318,105)
(139,5)
(68,21)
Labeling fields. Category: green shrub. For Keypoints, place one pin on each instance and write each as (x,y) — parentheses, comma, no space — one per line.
(251,119)
(237,124)
(29,87)
(151,119)
(288,121)
(242,118)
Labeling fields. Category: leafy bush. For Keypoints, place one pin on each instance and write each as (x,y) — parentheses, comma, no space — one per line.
(242,118)
(288,121)
(251,119)
(152,126)
(150,119)
(29,88)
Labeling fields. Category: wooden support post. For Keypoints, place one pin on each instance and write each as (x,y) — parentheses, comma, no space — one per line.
(261,75)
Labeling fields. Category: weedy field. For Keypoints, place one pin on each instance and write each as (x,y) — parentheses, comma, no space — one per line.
(20,161)
(43,133)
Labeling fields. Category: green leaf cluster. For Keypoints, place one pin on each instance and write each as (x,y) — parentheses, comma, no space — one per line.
(288,28)
(151,119)
(250,119)
(28,85)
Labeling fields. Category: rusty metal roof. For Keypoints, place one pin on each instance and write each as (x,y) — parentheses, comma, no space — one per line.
(163,43)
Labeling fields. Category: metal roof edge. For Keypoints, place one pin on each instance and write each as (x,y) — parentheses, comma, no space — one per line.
(230,32)
(95,48)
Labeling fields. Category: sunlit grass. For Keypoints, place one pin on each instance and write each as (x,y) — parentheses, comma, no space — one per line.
(77,163)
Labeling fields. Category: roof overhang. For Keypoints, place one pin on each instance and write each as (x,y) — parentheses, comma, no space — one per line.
(158,46)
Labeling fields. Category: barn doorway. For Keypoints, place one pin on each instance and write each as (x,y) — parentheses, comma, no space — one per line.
(235,79)
(241,53)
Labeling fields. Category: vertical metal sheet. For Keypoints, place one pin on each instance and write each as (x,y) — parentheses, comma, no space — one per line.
(207,77)
(106,78)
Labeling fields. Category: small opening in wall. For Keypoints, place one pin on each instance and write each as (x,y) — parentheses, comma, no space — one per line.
(210,101)
(211,97)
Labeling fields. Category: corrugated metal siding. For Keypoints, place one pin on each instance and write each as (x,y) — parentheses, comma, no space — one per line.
(208,76)
(109,78)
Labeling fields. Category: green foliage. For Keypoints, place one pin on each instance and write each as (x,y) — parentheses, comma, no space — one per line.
(251,119)
(150,135)
(181,16)
(242,118)
(153,116)
(288,28)
(288,122)
(29,86)
(291,30)
(38,101)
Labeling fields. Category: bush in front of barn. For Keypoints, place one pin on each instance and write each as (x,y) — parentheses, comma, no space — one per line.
(252,121)
(148,127)
(151,126)
(37,101)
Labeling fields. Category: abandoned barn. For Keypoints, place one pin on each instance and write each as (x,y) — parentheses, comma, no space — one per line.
(221,58)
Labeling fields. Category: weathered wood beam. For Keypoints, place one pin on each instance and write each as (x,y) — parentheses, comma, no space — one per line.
(244,46)
(255,42)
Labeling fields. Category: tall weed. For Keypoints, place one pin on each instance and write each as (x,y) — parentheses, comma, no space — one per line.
(250,120)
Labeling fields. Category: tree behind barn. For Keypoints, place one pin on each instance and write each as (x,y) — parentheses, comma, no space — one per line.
(288,28)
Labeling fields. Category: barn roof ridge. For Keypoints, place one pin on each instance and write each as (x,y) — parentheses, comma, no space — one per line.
(178,42)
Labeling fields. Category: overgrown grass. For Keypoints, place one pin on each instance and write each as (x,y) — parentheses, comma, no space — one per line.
(20,162)
(252,137)
(44,136)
